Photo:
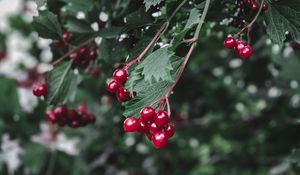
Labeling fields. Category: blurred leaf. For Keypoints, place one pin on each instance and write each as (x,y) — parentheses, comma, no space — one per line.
(46,25)
(149,3)
(194,18)
(8,90)
(111,32)
(75,25)
(138,17)
(283,16)
(40,3)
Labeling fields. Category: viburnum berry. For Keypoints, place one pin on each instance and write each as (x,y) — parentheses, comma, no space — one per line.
(239,46)
(245,52)
(131,124)
(123,94)
(161,118)
(93,54)
(61,111)
(113,86)
(39,90)
(169,129)
(82,108)
(120,75)
(51,116)
(153,128)
(229,42)
(160,139)
(66,36)
(144,127)
(82,51)
(254,6)
(74,124)
(147,113)
(265,7)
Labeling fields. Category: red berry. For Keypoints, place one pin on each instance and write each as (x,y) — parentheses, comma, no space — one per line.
(121,75)
(39,90)
(62,121)
(144,127)
(147,113)
(82,51)
(229,42)
(239,46)
(246,52)
(153,128)
(84,63)
(61,111)
(161,118)
(131,124)
(149,136)
(82,108)
(123,94)
(113,86)
(74,124)
(72,115)
(92,118)
(254,6)
(169,129)
(265,7)
(66,36)
(51,116)
(160,139)
(93,54)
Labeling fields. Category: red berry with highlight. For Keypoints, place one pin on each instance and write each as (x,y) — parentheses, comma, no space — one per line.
(161,118)
(169,129)
(153,128)
(51,116)
(147,113)
(239,46)
(229,42)
(123,94)
(121,75)
(39,90)
(246,52)
(160,139)
(61,111)
(93,54)
(144,128)
(265,7)
(66,36)
(131,124)
(113,86)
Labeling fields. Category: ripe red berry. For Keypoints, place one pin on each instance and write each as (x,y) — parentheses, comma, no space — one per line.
(161,118)
(61,111)
(74,124)
(147,113)
(51,116)
(82,108)
(93,54)
(239,46)
(265,7)
(229,42)
(113,86)
(82,51)
(169,129)
(62,121)
(254,6)
(121,75)
(66,36)
(153,128)
(123,94)
(160,139)
(144,128)
(246,52)
(131,124)
(39,90)
(72,115)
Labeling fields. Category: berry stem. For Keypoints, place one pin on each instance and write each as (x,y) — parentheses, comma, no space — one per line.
(70,52)
(187,57)
(249,26)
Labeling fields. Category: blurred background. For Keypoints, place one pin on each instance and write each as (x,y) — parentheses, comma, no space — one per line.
(232,117)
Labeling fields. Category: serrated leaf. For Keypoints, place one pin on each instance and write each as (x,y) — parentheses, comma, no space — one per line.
(149,3)
(75,25)
(157,65)
(148,93)
(46,25)
(282,17)
(60,82)
(193,19)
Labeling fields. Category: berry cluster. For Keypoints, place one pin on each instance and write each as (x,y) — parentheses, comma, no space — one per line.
(39,89)
(64,41)
(241,48)
(83,57)
(2,55)
(73,118)
(154,124)
(115,85)
(251,5)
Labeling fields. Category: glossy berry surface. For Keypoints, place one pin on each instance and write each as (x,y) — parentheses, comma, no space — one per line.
(61,111)
(144,127)
(123,94)
(120,75)
(161,118)
(169,129)
(239,46)
(39,90)
(153,128)
(66,36)
(131,124)
(265,7)
(51,116)
(160,139)
(246,52)
(147,113)
(93,54)
(229,42)
(113,86)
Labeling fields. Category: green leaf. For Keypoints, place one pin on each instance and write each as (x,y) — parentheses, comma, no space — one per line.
(138,17)
(79,5)
(46,25)
(61,82)
(75,25)
(111,32)
(149,3)
(283,16)
(8,90)
(40,3)
(148,93)
(193,19)
(157,65)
